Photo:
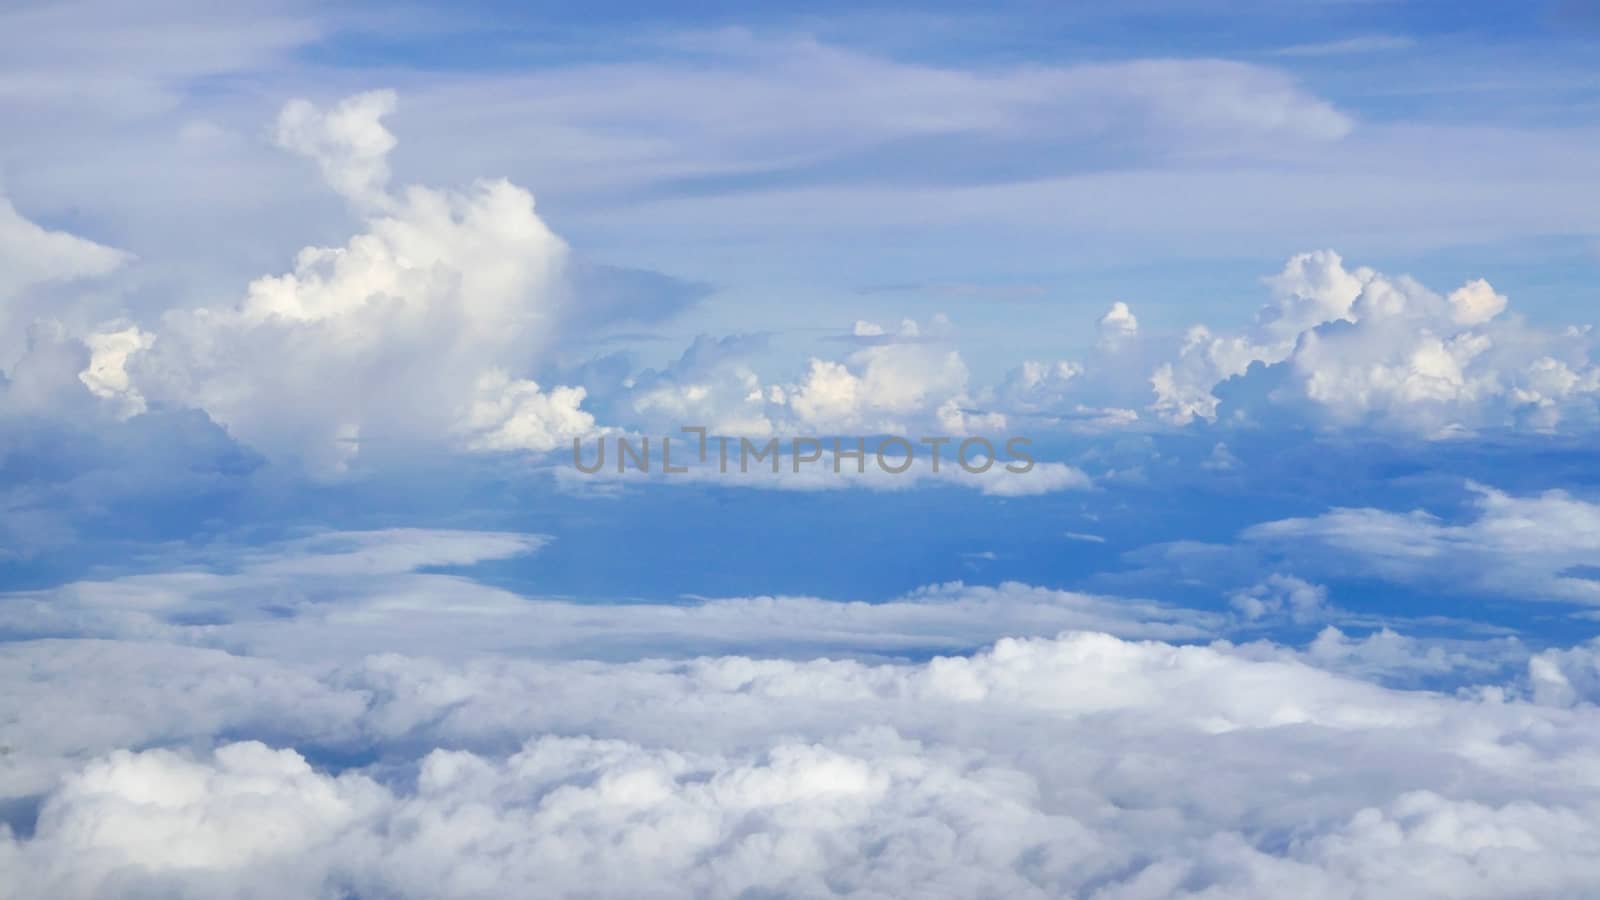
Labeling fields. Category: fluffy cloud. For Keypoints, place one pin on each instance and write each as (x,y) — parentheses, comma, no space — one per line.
(348,142)
(1566,676)
(1079,765)
(896,382)
(883,385)
(406,333)
(1354,348)
(712,385)
(515,414)
(107,374)
(1118,325)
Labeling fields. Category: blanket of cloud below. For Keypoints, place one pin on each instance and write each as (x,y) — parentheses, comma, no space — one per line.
(327,718)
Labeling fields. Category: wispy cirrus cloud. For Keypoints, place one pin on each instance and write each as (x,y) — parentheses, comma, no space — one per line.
(1351,46)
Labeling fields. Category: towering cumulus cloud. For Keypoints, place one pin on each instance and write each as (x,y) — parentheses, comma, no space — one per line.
(412,332)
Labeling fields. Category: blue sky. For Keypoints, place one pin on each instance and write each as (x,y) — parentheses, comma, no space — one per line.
(303,309)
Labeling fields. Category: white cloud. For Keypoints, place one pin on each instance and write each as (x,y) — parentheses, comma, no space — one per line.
(880,387)
(365,592)
(1087,396)
(516,414)
(1284,596)
(640,122)
(1524,547)
(1313,288)
(376,730)
(1354,348)
(712,385)
(1068,766)
(1119,324)
(1361,44)
(1388,655)
(1036,386)
(1475,303)
(31,254)
(896,382)
(107,374)
(348,143)
(412,331)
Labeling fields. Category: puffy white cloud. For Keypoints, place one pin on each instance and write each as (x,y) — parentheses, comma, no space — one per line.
(908,330)
(1355,348)
(1312,289)
(348,142)
(414,330)
(1475,303)
(107,374)
(514,414)
(895,382)
(880,387)
(1118,325)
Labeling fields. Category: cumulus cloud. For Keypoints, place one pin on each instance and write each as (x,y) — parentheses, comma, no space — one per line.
(348,142)
(1355,348)
(107,374)
(712,385)
(515,414)
(1096,394)
(897,382)
(412,331)
(1118,325)
(880,387)
(1036,386)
